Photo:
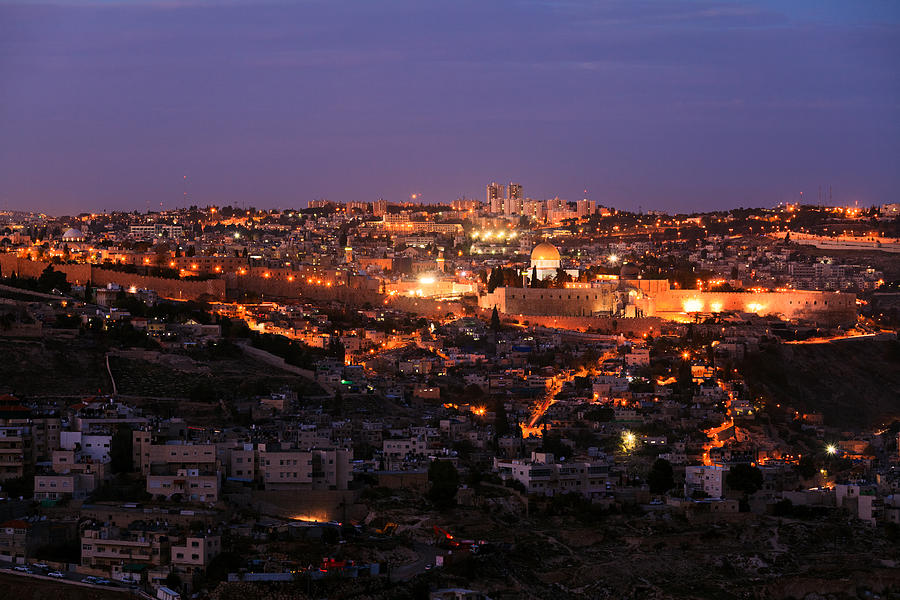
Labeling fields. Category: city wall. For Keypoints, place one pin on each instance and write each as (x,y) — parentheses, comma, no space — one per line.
(826,308)
(80,274)
(575,302)
(566,304)
(282,288)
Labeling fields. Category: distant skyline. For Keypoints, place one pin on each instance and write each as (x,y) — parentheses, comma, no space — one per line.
(677,106)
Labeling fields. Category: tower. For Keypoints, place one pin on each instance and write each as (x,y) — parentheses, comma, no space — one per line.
(496,198)
(515,203)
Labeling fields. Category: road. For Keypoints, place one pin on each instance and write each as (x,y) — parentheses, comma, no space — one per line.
(41,574)
(426,555)
(555,388)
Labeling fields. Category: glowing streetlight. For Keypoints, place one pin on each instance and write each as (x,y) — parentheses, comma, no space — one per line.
(613,258)
(831,449)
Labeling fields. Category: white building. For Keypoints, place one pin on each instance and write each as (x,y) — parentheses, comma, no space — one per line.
(708,479)
(543,475)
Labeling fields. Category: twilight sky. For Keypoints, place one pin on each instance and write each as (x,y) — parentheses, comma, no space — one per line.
(676,105)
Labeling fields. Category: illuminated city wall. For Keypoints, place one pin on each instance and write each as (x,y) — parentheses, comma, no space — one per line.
(80,274)
(821,307)
(276,287)
(584,302)
(824,308)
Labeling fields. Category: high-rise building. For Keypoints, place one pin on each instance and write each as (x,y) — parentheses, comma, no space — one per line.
(379,207)
(556,204)
(515,200)
(534,209)
(586,208)
(464,205)
(496,198)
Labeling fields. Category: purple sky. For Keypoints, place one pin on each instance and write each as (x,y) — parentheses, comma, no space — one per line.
(675,105)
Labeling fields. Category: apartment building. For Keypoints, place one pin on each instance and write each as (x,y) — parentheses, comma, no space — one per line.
(709,480)
(285,468)
(103,548)
(401,448)
(194,554)
(15,451)
(542,474)
(188,485)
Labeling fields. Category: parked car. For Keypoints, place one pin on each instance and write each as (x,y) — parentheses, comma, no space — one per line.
(56,574)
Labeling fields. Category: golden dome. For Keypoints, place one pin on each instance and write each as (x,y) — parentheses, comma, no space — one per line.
(545,251)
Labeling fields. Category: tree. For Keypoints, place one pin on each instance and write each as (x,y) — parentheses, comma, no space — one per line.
(600,414)
(562,276)
(51,279)
(495,279)
(501,420)
(120,450)
(444,480)
(534,277)
(173,581)
(495,320)
(744,478)
(661,477)
(807,468)
(553,444)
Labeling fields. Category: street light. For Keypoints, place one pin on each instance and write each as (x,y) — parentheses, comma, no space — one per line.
(831,449)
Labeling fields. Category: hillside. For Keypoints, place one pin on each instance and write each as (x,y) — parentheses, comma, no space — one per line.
(63,368)
(852,383)
(30,588)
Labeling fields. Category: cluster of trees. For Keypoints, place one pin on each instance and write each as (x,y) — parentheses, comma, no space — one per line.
(503,277)
(50,279)
(293,352)
(444,479)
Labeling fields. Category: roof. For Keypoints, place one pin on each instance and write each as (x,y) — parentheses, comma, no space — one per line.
(73,234)
(545,251)
(15,524)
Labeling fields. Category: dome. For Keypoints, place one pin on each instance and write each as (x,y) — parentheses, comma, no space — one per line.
(545,251)
(73,234)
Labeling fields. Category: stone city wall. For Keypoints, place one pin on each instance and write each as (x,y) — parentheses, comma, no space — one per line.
(826,308)
(575,302)
(81,274)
